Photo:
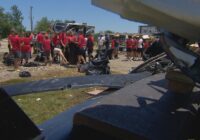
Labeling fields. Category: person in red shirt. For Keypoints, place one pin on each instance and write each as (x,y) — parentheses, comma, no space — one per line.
(40,40)
(146,44)
(26,47)
(129,44)
(73,45)
(14,42)
(90,46)
(47,50)
(81,48)
(64,42)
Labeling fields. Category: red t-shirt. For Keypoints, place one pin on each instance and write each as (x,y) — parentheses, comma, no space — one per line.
(26,47)
(135,42)
(146,45)
(47,45)
(129,43)
(81,41)
(68,39)
(56,40)
(113,44)
(91,40)
(15,42)
(63,37)
(73,39)
(40,38)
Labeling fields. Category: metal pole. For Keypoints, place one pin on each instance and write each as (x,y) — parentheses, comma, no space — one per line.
(31,18)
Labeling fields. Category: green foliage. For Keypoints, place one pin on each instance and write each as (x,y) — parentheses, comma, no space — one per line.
(10,20)
(43,25)
(4,23)
(16,19)
(108,32)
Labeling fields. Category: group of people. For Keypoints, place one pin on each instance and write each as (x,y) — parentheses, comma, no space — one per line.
(71,47)
(135,45)
(67,46)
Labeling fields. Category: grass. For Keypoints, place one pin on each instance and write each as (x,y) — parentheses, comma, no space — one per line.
(43,106)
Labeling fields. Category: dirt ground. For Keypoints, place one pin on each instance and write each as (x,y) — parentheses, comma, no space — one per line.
(120,65)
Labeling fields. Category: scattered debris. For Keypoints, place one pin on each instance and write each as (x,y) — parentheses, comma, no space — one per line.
(38,99)
(97,91)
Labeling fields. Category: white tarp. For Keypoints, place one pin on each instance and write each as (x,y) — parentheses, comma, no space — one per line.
(178,16)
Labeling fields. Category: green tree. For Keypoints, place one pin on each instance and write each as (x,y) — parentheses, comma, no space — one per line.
(4,23)
(109,32)
(43,25)
(16,18)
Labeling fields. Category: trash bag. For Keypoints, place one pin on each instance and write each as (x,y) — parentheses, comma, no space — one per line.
(24,74)
(8,59)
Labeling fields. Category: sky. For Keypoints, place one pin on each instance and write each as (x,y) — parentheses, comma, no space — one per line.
(82,11)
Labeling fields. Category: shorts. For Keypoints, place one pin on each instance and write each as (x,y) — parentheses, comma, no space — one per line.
(81,51)
(134,49)
(26,55)
(128,49)
(17,54)
(140,50)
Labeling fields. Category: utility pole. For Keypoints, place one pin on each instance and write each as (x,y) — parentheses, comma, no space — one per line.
(31,18)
